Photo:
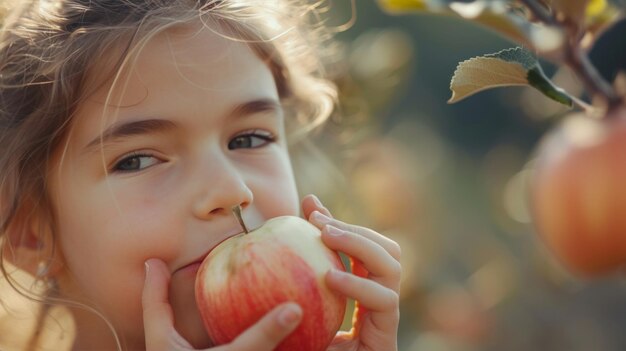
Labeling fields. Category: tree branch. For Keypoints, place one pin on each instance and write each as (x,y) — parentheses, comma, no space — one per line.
(587,72)
(540,12)
(575,57)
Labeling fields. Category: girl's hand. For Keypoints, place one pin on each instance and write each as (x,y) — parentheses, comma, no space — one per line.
(158,319)
(374,284)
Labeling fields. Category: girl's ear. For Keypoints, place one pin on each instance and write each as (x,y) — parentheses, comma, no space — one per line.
(31,245)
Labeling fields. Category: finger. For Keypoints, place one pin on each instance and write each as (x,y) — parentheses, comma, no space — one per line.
(381,303)
(267,333)
(371,295)
(320,220)
(312,203)
(382,267)
(158,318)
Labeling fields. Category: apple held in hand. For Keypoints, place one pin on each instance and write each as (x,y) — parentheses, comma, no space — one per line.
(579,193)
(247,275)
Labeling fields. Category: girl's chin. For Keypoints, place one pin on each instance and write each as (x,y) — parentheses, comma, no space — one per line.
(197,338)
(187,318)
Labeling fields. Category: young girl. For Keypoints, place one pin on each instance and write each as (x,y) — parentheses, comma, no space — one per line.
(130,128)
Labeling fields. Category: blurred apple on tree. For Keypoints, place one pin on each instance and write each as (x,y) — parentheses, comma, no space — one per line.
(578,197)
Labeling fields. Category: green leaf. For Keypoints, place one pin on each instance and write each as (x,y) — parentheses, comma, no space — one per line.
(600,15)
(401,6)
(497,16)
(516,55)
(510,67)
(538,80)
(595,7)
(580,11)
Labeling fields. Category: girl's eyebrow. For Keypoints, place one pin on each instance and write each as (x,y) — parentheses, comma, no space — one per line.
(153,125)
(256,106)
(127,129)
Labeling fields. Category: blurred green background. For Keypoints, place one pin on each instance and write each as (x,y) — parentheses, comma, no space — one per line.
(449,183)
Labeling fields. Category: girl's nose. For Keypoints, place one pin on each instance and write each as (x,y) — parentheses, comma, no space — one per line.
(221,193)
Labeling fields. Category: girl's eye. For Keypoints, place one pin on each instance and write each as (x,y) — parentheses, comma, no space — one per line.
(251,140)
(134,163)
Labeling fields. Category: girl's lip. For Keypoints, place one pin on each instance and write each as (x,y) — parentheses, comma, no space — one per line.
(191,268)
(194,265)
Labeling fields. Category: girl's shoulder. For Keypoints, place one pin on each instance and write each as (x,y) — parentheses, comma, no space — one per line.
(26,324)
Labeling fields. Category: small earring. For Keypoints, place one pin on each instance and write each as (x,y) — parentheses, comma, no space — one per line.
(42,270)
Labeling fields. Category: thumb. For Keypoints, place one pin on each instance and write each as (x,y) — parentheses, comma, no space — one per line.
(158,317)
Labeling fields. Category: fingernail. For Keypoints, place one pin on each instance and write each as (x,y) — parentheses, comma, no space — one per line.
(290,315)
(320,218)
(336,274)
(334,231)
(317,201)
(147,268)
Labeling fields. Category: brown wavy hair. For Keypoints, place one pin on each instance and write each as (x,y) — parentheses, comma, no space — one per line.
(51,50)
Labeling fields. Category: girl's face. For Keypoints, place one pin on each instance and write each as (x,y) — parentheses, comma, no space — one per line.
(192,128)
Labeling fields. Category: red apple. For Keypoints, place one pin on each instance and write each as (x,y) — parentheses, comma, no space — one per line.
(247,275)
(579,193)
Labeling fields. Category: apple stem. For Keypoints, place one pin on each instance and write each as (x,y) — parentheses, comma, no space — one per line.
(237,212)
